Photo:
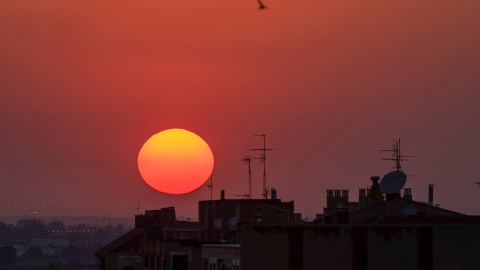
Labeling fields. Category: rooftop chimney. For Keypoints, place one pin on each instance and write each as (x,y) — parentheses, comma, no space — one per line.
(222,194)
(274,194)
(375,192)
(430,194)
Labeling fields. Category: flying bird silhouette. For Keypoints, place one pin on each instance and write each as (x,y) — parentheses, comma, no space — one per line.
(261,5)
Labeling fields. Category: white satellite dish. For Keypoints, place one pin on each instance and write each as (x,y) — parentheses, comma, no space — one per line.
(217,223)
(409,210)
(393,182)
(232,223)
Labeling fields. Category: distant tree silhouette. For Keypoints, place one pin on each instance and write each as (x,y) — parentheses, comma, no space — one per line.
(7,257)
(82,227)
(34,228)
(56,226)
(32,252)
(33,256)
(6,232)
(54,266)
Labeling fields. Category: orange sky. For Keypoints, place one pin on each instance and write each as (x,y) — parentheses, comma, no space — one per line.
(83,84)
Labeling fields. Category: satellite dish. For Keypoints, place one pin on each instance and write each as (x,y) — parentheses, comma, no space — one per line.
(232,223)
(409,210)
(393,182)
(217,223)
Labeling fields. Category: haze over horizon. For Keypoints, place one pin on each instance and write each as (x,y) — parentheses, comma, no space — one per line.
(83,84)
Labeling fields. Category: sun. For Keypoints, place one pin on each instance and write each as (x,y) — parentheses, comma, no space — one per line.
(175,161)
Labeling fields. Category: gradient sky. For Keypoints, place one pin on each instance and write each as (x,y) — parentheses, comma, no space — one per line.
(83,84)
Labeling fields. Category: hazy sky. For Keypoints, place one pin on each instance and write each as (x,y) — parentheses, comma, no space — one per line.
(83,84)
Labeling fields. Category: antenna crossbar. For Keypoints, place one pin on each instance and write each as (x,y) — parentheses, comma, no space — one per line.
(397,154)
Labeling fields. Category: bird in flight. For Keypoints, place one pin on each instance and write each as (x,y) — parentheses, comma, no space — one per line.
(261,5)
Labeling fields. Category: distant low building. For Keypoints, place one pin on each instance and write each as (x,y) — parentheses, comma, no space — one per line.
(113,254)
(50,246)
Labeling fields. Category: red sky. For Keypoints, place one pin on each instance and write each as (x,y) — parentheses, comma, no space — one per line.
(83,84)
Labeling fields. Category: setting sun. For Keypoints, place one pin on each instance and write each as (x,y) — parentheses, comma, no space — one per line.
(175,161)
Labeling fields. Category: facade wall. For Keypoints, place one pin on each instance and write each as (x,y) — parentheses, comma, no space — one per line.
(328,247)
(219,255)
(161,254)
(244,211)
(391,247)
(465,255)
(111,260)
(265,248)
(360,247)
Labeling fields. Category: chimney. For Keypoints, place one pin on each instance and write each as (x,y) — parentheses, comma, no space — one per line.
(407,193)
(430,194)
(375,192)
(222,194)
(274,194)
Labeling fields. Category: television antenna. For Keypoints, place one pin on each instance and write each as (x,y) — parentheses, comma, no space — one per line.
(210,186)
(263,158)
(397,154)
(138,208)
(248,160)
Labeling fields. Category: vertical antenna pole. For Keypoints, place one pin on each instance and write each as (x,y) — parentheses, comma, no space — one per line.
(249,180)
(210,186)
(248,160)
(398,155)
(138,207)
(265,195)
(263,158)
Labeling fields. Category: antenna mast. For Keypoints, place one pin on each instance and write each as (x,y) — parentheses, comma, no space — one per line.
(263,159)
(397,154)
(248,160)
(138,208)
(210,186)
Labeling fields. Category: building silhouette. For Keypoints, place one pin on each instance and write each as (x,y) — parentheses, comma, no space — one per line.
(379,231)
